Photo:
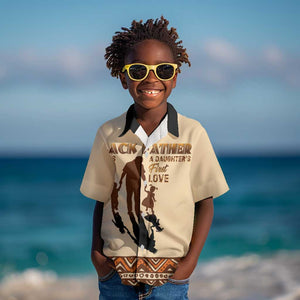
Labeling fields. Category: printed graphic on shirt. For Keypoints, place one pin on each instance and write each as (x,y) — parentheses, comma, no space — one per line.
(131,174)
(144,223)
(161,158)
(152,271)
(150,199)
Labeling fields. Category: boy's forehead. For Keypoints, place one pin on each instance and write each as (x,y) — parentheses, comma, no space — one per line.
(149,52)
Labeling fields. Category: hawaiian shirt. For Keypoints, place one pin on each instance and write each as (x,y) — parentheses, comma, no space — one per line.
(149,186)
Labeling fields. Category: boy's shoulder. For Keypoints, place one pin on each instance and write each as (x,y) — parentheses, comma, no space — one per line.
(113,126)
(187,124)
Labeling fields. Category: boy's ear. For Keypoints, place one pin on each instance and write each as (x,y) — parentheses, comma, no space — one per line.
(123,81)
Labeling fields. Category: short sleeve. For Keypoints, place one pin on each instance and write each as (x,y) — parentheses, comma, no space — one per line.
(207,178)
(97,182)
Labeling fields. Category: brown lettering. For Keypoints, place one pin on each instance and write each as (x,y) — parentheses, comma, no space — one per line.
(121,148)
(157,168)
(188,148)
(172,148)
(162,148)
(166,177)
(132,148)
(158,178)
(154,149)
(180,148)
(113,148)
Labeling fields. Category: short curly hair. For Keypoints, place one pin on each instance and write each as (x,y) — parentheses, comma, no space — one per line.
(123,42)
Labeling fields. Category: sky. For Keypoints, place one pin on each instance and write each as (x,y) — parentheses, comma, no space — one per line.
(243,85)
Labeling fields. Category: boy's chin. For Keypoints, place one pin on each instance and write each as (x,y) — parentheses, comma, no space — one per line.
(150,104)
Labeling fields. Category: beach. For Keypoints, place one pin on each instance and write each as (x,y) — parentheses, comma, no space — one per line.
(248,277)
(252,251)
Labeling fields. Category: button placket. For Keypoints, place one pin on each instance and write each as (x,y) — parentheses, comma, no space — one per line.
(146,152)
(142,249)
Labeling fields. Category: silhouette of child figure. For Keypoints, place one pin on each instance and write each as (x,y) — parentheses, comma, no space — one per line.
(150,199)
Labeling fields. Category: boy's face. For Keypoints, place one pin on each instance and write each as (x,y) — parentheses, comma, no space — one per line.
(149,52)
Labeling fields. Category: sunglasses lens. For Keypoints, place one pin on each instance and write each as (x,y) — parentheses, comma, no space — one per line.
(137,71)
(165,71)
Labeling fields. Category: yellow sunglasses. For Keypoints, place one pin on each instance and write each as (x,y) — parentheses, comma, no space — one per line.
(138,71)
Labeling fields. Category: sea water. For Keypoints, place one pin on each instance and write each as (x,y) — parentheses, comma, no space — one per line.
(253,245)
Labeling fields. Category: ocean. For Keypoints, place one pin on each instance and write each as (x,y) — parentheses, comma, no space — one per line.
(252,251)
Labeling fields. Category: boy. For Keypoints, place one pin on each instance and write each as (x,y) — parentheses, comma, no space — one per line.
(140,253)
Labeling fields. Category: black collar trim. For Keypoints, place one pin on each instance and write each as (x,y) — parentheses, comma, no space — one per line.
(132,123)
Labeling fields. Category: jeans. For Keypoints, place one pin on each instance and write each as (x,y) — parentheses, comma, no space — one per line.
(111,288)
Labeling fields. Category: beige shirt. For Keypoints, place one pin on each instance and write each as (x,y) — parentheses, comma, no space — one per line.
(149,191)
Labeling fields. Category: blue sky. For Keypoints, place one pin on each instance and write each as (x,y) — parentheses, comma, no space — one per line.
(243,85)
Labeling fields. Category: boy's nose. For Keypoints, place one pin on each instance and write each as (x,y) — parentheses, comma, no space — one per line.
(151,76)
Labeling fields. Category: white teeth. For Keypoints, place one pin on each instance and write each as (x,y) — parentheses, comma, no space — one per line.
(150,92)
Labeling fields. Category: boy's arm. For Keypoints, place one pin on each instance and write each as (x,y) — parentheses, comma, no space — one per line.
(204,212)
(101,263)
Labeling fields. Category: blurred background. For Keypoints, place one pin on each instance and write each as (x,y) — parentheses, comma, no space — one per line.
(55,91)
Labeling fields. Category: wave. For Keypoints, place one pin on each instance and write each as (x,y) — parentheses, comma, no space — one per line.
(248,277)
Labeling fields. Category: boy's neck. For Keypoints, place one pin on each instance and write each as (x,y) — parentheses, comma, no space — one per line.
(150,118)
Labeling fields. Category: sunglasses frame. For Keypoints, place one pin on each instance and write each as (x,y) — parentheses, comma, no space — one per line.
(149,68)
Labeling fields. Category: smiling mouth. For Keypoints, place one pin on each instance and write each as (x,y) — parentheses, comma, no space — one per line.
(150,92)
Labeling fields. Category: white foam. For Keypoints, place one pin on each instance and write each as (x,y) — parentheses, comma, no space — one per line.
(249,277)
(31,278)
(33,284)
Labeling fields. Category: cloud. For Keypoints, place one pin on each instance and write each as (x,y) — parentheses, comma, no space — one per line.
(68,67)
(223,52)
(273,56)
(216,63)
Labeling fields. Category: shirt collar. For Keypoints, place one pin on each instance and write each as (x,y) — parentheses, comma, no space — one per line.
(132,123)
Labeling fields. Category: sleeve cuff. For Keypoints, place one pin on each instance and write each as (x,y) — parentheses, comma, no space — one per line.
(95,192)
(212,189)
